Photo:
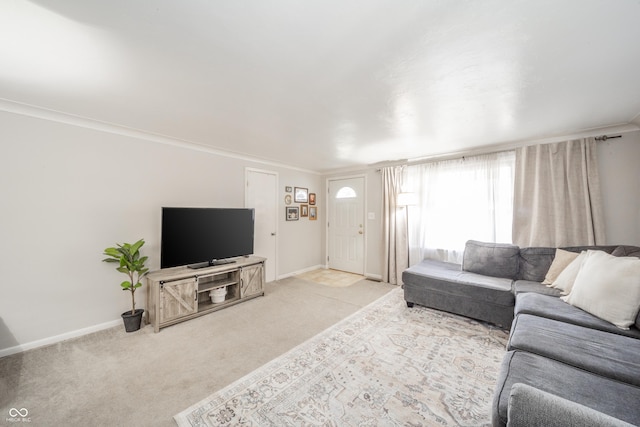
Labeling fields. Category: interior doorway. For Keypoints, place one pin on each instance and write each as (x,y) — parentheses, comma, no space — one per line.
(346,225)
(261,194)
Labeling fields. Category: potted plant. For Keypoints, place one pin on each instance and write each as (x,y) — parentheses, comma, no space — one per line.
(130,262)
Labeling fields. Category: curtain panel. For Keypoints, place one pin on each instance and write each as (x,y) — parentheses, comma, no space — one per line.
(557,199)
(394,227)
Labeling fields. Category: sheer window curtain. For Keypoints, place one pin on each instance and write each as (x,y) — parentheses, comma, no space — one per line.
(395,226)
(459,200)
(557,198)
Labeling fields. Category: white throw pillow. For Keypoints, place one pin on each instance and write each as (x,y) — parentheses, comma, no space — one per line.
(565,279)
(608,287)
(561,260)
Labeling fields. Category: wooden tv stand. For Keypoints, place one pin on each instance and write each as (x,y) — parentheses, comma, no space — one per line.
(182,293)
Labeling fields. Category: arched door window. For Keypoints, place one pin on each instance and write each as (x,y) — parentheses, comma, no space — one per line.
(346,193)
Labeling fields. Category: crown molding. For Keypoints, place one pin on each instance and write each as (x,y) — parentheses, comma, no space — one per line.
(100,126)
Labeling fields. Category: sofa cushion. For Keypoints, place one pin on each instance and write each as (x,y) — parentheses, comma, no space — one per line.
(531,407)
(604,248)
(554,308)
(449,278)
(625,250)
(610,355)
(614,398)
(608,287)
(522,286)
(491,259)
(534,263)
(444,286)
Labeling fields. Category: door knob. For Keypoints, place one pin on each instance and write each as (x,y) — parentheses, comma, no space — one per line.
(360,232)
(273,234)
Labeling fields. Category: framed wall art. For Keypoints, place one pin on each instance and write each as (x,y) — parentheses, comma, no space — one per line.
(304,210)
(300,195)
(292,213)
(313,213)
(312,198)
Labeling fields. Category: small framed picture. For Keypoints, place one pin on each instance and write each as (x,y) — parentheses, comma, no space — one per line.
(313,213)
(287,189)
(312,198)
(301,195)
(292,213)
(304,210)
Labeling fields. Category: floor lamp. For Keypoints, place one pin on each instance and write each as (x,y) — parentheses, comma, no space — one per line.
(407,199)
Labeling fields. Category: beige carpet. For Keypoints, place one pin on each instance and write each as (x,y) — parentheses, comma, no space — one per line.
(111,378)
(329,277)
(384,365)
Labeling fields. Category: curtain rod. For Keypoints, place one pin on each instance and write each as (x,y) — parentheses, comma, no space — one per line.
(597,138)
(605,137)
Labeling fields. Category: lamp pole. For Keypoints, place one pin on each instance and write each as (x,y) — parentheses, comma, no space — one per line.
(407,199)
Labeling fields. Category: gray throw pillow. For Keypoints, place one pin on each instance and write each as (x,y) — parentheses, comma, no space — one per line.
(491,259)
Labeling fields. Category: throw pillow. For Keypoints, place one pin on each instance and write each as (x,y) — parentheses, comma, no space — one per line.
(565,279)
(560,262)
(608,287)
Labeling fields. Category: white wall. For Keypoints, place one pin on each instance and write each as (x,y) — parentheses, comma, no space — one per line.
(68,192)
(301,243)
(619,163)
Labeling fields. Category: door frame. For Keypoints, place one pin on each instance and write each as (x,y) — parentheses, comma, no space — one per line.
(364,217)
(247,170)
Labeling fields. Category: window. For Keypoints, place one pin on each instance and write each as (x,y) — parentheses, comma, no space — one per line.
(459,200)
(346,193)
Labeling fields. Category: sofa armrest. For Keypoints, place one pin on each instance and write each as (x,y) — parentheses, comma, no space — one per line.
(529,407)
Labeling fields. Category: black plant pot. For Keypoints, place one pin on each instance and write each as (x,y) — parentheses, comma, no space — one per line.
(132,321)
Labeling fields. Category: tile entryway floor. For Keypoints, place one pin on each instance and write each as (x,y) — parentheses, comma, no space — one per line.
(328,277)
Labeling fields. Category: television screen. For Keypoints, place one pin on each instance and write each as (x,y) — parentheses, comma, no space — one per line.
(204,235)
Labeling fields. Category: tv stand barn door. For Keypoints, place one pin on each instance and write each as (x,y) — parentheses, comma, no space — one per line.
(181,293)
(252,281)
(177,299)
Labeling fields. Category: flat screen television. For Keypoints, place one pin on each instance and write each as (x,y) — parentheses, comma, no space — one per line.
(200,237)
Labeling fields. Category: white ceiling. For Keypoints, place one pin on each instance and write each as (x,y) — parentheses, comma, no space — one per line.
(328,84)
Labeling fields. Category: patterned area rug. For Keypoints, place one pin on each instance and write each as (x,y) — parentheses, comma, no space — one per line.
(334,278)
(384,365)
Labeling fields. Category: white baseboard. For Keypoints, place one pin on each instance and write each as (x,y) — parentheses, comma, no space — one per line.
(375,277)
(58,338)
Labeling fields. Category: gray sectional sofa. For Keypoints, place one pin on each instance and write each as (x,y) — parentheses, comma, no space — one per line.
(563,366)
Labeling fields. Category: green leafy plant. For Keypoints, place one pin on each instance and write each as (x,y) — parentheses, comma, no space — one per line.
(130,262)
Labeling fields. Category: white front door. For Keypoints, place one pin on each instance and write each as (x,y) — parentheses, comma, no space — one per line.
(346,224)
(262,195)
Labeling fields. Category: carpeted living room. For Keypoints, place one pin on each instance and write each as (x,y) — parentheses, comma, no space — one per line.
(319,213)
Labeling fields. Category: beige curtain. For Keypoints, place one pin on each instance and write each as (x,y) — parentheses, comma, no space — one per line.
(557,198)
(395,227)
